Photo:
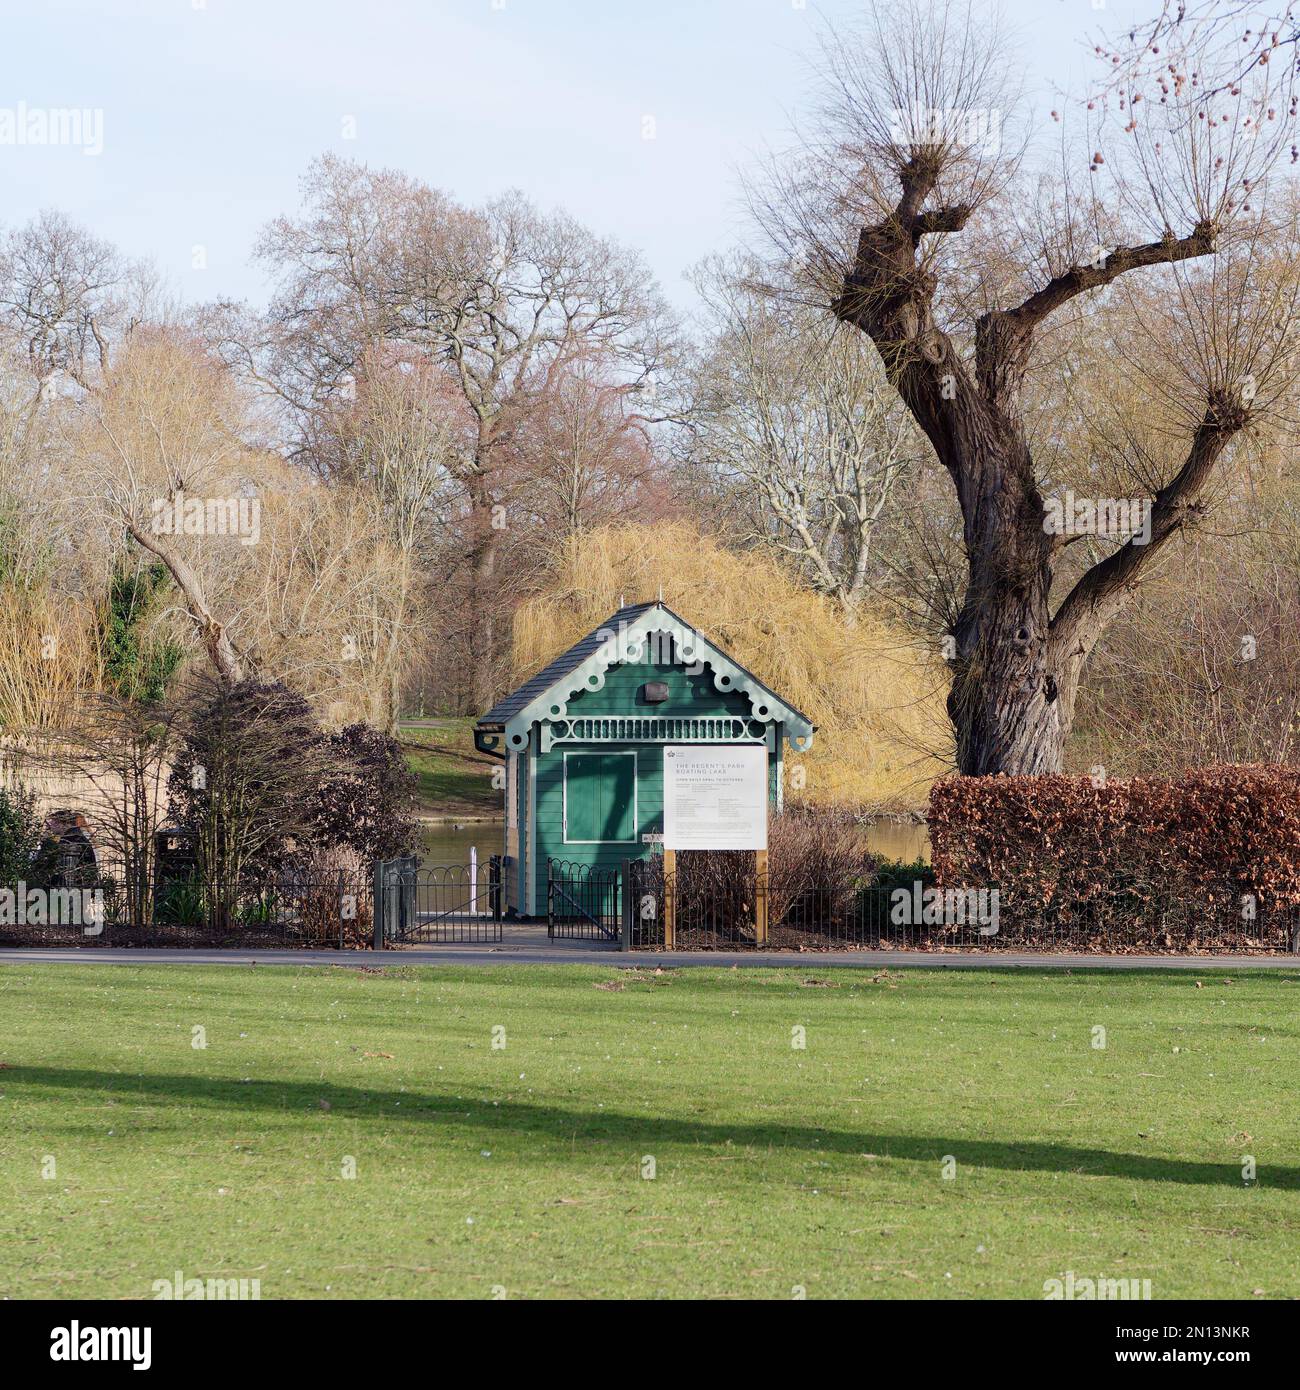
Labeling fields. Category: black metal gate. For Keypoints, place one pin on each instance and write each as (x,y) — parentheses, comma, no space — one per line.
(645,887)
(583,902)
(451,904)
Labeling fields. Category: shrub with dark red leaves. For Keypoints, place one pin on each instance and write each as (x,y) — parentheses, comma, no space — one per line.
(367,801)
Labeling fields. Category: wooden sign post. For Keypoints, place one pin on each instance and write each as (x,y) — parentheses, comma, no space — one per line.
(670,899)
(760,898)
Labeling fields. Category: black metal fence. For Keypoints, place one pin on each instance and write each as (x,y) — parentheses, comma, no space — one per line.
(715,901)
(438,904)
(460,903)
(292,911)
(643,921)
(710,901)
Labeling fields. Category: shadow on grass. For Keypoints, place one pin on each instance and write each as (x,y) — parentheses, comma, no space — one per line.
(610,1127)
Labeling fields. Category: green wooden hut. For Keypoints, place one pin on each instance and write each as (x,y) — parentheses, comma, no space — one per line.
(583,741)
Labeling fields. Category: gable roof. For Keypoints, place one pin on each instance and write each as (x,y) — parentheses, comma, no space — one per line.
(510,705)
(552,686)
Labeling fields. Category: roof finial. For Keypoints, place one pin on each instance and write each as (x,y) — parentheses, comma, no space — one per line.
(661,591)
(622,602)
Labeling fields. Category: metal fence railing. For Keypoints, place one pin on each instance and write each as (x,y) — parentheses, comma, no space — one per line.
(439,904)
(722,901)
(290,911)
(701,905)
(708,901)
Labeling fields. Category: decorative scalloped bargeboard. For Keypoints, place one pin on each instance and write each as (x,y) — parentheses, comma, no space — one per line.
(656,637)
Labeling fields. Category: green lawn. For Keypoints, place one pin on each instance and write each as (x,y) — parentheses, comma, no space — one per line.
(521,1168)
(453,779)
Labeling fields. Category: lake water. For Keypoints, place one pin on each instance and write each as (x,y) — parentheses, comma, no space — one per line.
(451,844)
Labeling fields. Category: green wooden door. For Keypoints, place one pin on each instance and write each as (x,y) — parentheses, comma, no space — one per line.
(599,798)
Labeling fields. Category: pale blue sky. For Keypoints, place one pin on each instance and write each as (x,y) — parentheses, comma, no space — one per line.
(213,108)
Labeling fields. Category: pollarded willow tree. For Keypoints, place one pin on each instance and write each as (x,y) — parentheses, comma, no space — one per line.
(915,214)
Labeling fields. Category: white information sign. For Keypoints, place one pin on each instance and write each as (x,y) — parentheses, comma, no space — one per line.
(715,797)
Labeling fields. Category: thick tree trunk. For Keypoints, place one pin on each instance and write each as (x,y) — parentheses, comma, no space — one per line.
(1011,701)
(1011,707)
(486,626)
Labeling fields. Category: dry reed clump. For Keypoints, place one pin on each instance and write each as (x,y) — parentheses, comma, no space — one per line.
(817,859)
(817,862)
(874,693)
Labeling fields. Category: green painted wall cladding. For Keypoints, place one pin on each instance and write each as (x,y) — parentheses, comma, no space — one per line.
(687,694)
(603,771)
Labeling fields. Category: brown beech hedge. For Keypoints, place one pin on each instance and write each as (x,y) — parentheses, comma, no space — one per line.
(1224,840)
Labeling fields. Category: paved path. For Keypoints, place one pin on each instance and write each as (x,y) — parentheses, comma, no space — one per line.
(589,953)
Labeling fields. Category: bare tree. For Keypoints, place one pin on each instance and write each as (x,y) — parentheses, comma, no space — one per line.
(248,760)
(1234,35)
(504,296)
(116,753)
(588,448)
(918,145)
(794,413)
(67,298)
(400,441)
(161,424)
(1204,666)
